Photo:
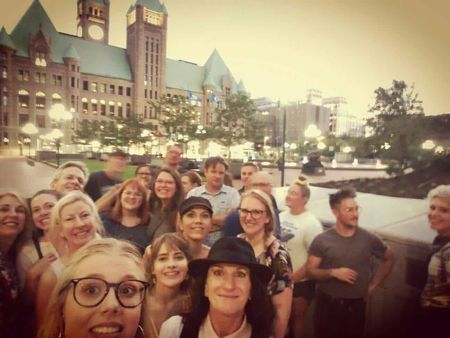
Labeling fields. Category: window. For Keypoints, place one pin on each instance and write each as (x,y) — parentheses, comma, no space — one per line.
(128,110)
(5,99)
(57,80)
(40,100)
(145,112)
(72,68)
(128,91)
(23,75)
(40,121)
(40,59)
(102,87)
(151,94)
(94,87)
(84,105)
(112,89)
(102,107)
(227,91)
(119,109)
(72,82)
(120,90)
(112,109)
(3,56)
(24,98)
(94,106)
(23,119)
(72,102)
(4,73)
(85,85)
(156,95)
(40,77)
(56,98)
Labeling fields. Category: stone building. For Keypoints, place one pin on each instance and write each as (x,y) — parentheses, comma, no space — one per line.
(40,67)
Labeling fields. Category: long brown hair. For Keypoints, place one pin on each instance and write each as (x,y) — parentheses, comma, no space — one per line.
(143,210)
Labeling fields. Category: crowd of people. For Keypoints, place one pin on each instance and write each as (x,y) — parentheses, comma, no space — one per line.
(186,258)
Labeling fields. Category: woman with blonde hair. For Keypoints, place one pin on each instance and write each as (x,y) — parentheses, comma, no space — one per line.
(258,221)
(166,265)
(74,219)
(99,293)
(129,216)
(14,229)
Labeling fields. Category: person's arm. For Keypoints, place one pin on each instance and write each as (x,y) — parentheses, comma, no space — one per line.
(33,276)
(299,274)
(383,270)
(105,202)
(314,272)
(44,290)
(282,307)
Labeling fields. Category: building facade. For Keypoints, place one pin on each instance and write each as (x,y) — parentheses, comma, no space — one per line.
(94,80)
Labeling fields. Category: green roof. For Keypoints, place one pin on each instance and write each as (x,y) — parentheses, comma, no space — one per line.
(154,5)
(5,40)
(71,53)
(184,75)
(241,88)
(95,57)
(216,69)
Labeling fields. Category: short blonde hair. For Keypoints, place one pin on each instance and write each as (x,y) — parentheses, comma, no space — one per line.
(54,322)
(441,191)
(70,198)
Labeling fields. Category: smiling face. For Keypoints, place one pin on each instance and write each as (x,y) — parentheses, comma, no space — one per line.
(439,215)
(165,186)
(77,224)
(131,198)
(41,209)
(72,178)
(109,318)
(253,216)
(12,217)
(228,288)
(196,224)
(170,266)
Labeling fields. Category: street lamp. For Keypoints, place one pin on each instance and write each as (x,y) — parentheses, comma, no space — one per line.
(56,136)
(29,129)
(58,114)
(428,145)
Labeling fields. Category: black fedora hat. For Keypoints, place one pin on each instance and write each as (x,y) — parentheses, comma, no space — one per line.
(231,250)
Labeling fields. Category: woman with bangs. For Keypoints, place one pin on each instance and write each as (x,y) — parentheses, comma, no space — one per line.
(166,266)
(75,220)
(99,294)
(165,200)
(129,216)
(258,221)
(14,228)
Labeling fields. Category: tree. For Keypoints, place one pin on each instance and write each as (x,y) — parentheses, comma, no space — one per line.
(179,118)
(128,131)
(235,123)
(398,112)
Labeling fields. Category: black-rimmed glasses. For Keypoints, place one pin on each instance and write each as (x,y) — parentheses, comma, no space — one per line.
(90,291)
(255,213)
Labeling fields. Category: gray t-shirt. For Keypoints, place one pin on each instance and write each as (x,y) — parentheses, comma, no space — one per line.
(355,252)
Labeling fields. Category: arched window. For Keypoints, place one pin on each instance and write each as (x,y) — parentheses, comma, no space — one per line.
(119,109)
(84,105)
(24,98)
(94,106)
(56,98)
(112,108)
(40,100)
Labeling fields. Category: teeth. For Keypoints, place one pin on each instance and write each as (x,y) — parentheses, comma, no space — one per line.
(106,329)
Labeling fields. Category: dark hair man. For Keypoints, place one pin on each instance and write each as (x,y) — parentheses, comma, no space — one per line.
(340,260)
(247,170)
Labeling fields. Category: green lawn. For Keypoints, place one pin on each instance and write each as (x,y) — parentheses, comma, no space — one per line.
(95,165)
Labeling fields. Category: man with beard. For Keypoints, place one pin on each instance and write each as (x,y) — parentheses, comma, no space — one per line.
(340,260)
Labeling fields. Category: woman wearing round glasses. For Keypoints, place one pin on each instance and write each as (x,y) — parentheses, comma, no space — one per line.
(129,215)
(167,195)
(257,219)
(166,265)
(74,219)
(99,294)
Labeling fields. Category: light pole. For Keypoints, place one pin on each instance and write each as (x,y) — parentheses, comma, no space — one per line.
(58,114)
(29,129)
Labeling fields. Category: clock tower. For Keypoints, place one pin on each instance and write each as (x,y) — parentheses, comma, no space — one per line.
(93,20)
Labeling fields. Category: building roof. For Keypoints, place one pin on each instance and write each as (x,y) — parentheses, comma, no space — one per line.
(241,87)
(154,5)
(96,58)
(184,75)
(5,39)
(216,69)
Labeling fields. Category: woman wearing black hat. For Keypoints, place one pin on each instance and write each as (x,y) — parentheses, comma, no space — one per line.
(195,224)
(229,296)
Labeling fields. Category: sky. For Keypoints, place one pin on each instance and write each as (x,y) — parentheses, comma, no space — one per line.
(281,48)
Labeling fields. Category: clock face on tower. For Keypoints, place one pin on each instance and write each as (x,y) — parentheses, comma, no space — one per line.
(96,32)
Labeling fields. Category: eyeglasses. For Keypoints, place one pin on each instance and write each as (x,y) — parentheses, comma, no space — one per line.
(144,174)
(90,292)
(255,213)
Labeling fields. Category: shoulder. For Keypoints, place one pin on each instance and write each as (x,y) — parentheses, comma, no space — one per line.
(172,327)
(196,191)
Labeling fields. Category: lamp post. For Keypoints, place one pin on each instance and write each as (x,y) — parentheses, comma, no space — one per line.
(29,129)
(58,114)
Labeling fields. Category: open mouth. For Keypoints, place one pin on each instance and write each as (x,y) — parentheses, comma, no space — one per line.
(110,329)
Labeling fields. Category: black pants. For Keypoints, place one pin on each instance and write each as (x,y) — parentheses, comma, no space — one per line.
(339,317)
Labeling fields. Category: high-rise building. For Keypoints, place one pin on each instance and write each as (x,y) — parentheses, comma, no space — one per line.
(40,66)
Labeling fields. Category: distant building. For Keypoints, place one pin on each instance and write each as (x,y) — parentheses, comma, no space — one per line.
(341,121)
(40,66)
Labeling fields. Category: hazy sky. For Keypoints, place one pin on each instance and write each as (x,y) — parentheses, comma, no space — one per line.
(280,48)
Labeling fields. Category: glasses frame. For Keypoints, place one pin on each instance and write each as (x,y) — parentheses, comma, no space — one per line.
(115,286)
(245,212)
